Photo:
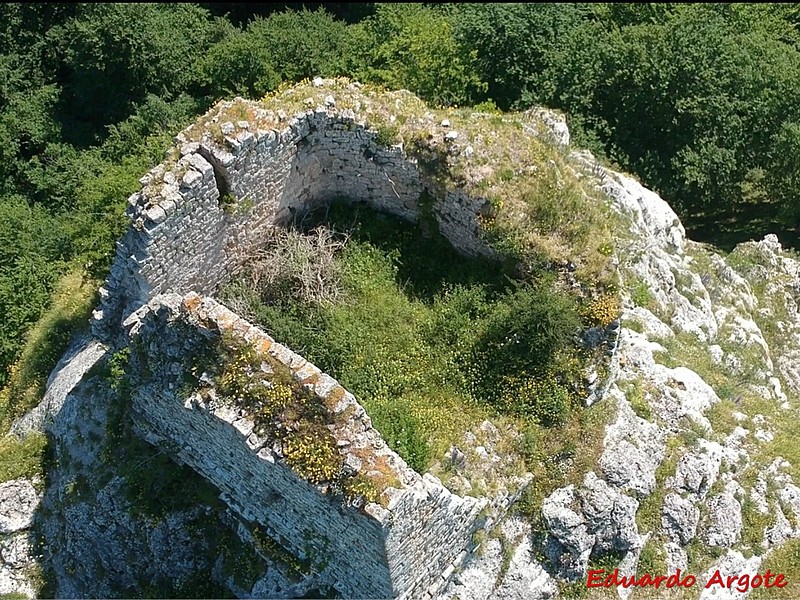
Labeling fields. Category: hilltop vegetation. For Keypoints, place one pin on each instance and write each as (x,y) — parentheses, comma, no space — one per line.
(699,100)
(431,343)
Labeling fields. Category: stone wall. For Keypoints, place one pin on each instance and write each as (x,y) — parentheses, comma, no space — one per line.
(198,217)
(407,549)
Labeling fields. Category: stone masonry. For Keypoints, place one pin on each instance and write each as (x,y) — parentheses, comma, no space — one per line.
(196,220)
(405,550)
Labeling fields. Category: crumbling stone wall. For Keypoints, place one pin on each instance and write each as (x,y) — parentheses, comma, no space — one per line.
(198,218)
(408,549)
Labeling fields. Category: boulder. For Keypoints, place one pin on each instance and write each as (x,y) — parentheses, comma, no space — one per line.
(18,502)
(724,525)
(679,518)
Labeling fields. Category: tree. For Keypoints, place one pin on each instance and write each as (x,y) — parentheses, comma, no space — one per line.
(115,54)
(413,47)
(513,43)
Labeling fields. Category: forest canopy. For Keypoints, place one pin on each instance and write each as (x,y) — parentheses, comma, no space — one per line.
(700,101)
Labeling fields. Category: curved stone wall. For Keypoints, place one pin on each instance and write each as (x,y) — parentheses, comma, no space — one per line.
(401,550)
(198,217)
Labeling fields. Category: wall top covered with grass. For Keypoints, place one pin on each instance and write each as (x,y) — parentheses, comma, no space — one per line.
(294,454)
(246,167)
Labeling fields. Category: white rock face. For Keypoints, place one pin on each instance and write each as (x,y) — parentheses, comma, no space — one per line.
(81,355)
(572,544)
(484,579)
(679,518)
(703,317)
(18,502)
(595,518)
(725,517)
(634,448)
(525,578)
(695,295)
(697,472)
(555,124)
(733,563)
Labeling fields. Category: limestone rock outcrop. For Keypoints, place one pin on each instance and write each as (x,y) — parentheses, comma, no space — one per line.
(702,379)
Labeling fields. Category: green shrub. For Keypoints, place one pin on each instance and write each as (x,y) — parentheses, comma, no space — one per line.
(387,135)
(403,434)
(523,336)
(431,343)
(636,396)
(641,294)
(652,559)
(118,368)
(542,399)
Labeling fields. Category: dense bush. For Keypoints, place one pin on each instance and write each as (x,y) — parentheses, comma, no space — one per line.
(413,47)
(113,55)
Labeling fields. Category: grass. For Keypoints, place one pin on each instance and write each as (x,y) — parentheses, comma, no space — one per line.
(648,517)
(786,560)
(381,343)
(641,294)
(636,393)
(426,340)
(652,559)
(22,457)
(541,209)
(73,299)
(737,395)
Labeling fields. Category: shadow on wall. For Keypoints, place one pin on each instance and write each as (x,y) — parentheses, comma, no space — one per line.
(197,220)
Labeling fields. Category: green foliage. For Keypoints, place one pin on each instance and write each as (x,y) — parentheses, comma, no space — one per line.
(23,457)
(513,43)
(784,176)
(404,434)
(156,485)
(652,559)
(426,338)
(388,135)
(635,394)
(641,294)
(700,101)
(412,46)
(44,344)
(518,349)
(141,48)
(286,46)
(29,241)
(784,559)
(284,411)
(302,44)
(239,64)
(117,368)
(70,221)
(267,546)
(705,90)
(242,562)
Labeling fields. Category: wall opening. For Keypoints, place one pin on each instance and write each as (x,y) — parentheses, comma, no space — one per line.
(221,178)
